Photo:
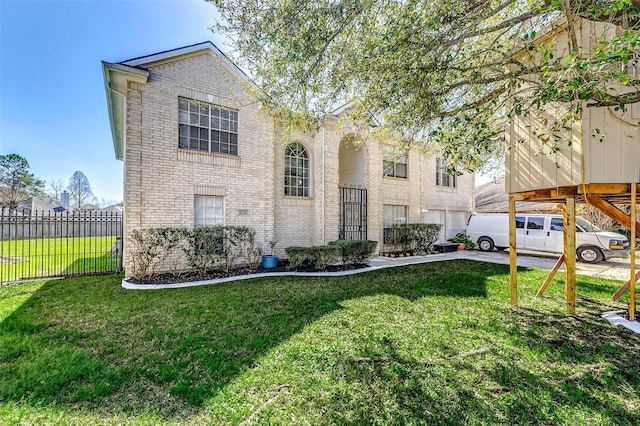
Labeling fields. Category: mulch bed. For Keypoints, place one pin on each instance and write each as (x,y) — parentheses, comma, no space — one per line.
(283,266)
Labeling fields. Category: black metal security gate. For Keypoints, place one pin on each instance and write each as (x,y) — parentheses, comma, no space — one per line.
(353,213)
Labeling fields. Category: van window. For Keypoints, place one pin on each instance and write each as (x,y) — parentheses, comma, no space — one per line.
(588,227)
(535,223)
(556,224)
(520,222)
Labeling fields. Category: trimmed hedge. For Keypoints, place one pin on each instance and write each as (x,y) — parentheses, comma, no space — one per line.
(203,249)
(324,256)
(356,251)
(415,236)
(298,255)
(319,257)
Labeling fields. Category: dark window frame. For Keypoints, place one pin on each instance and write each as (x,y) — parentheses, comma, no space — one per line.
(395,163)
(443,178)
(206,127)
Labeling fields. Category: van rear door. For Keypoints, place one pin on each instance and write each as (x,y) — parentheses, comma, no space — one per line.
(535,233)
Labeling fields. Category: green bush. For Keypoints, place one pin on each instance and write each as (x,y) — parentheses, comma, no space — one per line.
(355,251)
(324,256)
(249,248)
(414,236)
(424,235)
(151,247)
(318,257)
(220,247)
(298,255)
(204,248)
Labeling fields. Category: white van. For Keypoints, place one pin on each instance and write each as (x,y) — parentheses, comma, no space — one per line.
(543,232)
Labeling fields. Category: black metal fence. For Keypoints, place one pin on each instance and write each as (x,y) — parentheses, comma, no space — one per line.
(49,244)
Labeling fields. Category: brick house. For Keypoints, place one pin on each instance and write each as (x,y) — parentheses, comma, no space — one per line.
(190,134)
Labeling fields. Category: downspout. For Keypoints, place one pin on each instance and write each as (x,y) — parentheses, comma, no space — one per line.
(124,161)
(124,119)
(324,190)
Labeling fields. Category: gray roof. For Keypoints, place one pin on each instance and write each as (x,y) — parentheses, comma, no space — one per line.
(492,198)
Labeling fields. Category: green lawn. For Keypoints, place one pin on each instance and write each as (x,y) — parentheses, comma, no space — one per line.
(46,257)
(436,343)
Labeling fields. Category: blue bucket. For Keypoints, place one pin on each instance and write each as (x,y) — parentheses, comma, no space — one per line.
(269,262)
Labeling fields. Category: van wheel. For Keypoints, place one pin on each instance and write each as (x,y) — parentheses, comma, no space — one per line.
(590,254)
(485,244)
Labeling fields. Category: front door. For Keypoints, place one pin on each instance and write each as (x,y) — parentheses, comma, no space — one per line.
(353,213)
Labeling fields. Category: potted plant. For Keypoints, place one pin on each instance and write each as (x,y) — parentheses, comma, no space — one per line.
(270,261)
(463,241)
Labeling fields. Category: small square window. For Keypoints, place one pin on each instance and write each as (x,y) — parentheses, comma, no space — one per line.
(209,210)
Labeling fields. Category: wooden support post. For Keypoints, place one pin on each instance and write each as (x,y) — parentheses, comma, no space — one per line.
(552,274)
(632,281)
(513,259)
(569,211)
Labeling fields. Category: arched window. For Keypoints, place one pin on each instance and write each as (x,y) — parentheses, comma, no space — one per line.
(296,171)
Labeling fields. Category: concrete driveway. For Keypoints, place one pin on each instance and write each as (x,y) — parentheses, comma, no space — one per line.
(616,268)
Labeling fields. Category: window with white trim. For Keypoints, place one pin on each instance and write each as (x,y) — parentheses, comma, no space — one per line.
(393,214)
(297,179)
(394,163)
(209,210)
(443,178)
(206,127)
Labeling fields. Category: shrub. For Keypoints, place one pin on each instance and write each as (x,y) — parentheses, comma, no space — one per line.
(298,255)
(424,235)
(204,248)
(318,257)
(414,236)
(325,255)
(355,251)
(215,247)
(249,248)
(151,247)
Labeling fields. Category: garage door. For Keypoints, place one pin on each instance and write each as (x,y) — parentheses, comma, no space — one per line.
(457,222)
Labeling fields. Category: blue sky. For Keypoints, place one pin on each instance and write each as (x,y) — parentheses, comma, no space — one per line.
(52,100)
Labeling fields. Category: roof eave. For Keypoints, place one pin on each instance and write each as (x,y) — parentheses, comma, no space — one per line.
(116,79)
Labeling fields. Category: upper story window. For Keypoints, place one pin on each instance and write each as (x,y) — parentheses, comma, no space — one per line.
(394,162)
(296,170)
(207,128)
(443,178)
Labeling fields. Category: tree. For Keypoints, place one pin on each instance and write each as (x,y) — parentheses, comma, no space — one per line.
(444,72)
(17,182)
(55,186)
(80,192)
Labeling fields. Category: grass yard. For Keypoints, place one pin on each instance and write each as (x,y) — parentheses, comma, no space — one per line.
(45,257)
(436,343)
